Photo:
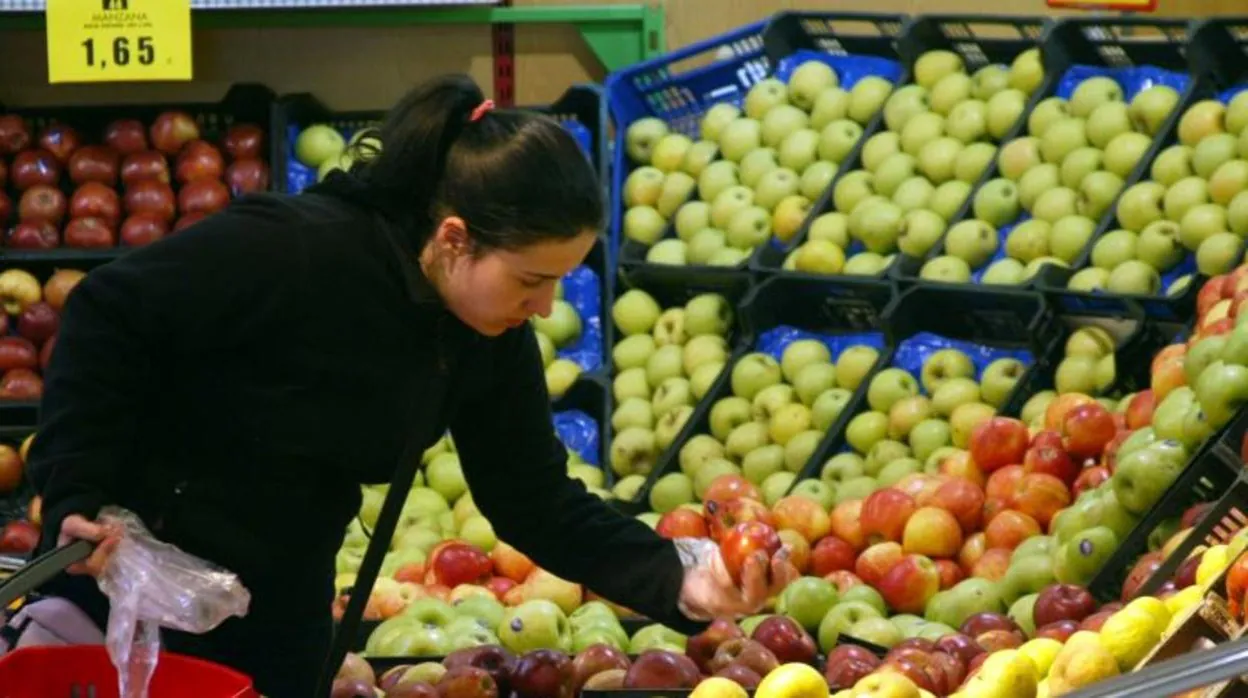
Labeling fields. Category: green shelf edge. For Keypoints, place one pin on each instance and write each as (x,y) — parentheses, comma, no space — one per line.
(618,35)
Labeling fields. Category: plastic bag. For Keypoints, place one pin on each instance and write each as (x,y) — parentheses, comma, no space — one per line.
(151,585)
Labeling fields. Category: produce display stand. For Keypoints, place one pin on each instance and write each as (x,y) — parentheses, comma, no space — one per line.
(980,40)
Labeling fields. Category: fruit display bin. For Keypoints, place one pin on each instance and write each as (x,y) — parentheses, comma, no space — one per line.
(1216,68)
(243,103)
(774,315)
(672,289)
(1210,473)
(581,109)
(980,41)
(16,349)
(684,86)
(19,531)
(1004,197)
(583,422)
(1011,324)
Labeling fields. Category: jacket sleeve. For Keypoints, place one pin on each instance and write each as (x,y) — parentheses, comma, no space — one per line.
(516,468)
(208,287)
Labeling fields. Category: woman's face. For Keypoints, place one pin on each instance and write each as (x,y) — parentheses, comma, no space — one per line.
(498,290)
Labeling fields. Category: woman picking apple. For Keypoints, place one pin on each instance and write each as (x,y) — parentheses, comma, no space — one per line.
(236,383)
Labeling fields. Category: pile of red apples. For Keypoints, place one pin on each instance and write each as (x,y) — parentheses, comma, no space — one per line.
(129,185)
(30,317)
(19,536)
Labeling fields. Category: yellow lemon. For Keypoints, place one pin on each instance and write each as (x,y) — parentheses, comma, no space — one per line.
(1183,600)
(1211,565)
(718,687)
(1042,689)
(883,683)
(798,681)
(1041,651)
(1154,607)
(1129,635)
(1082,661)
(1005,674)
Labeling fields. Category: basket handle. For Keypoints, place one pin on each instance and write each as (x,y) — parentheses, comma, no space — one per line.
(42,569)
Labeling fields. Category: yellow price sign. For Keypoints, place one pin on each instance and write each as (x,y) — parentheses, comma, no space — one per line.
(118,40)
(1120,5)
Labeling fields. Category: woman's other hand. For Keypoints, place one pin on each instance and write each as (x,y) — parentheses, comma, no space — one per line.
(76,527)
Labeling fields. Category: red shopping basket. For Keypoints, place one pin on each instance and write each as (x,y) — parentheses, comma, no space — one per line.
(86,672)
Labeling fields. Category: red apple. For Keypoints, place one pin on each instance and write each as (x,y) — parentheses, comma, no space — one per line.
(745,540)
(960,464)
(964,500)
(843,673)
(203,196)
(14,134)
(499,586)
(6,202)
(917,665)
(803,515)
(1060,630)
(1214,290)
(1048,455)
(722,515)
(797,549)
(18,537)
(1140,410)
(875,562)
(247,177)
(45,353)
(702,647)
(90,233)
(973,548)
(786,639)
(745,652)
(729,486)
(959,645)
(885,513)
(831,554)
(199,160)
(844,580)
(21,384)
(1089,478)
(34,167)
(742,676)
(1088,429)
(143,229)
(1041,496)
(847,523)
(595,659)
(244,141)
(909,584)
(992,564)
(42,202)
(1193,515)
(1058,602)
(1009,528)
(187,221)
(94,163)
(998,442)
(997,640)
(38,322)
(464,682)
(511,563)
(95,200)
(950,573)
(18,352)
(921,486)
(452,563)
(657,669)
(34,234)
(981,623)
(172,130)
(145,164)
(126,136)
(494,660)
(953,668)
(10,469)
(1094,622)
(153,197)
(61,140)
(682,523)
(1140,573)
(58,286)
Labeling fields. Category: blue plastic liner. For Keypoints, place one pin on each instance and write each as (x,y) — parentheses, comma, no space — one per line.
(579,432)
(775,340)
(915,350)
(849,69)
(582,289)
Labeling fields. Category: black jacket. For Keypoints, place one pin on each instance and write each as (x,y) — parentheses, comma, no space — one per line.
(236,383)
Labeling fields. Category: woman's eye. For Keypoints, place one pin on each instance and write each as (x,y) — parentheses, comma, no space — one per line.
(531,283)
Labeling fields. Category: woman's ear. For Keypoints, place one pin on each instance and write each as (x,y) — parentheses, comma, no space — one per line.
(452,236)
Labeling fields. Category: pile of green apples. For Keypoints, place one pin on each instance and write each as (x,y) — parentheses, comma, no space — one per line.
(1064,174)
(560,329)
(916,174)
(769,426)
(754,172)
(913,424)
(1088,365)
(1196,202)
(666,360)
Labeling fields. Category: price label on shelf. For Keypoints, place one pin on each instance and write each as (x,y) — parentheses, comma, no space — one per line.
(1119,5)
(118,40)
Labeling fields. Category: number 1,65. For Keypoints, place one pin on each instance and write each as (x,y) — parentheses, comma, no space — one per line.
(144,52)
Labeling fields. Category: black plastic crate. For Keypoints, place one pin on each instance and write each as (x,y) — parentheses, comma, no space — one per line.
(23,414)
(1215,66)
(581,109)
(1073,50)
(244,103)
(1210,474)
(855,44)
(777,312)
(980,40)
(671,288)
(1012,323)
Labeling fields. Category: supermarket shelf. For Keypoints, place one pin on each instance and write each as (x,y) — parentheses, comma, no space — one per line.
(619,35)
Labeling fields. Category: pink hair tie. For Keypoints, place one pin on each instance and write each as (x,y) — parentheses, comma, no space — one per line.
(481,109)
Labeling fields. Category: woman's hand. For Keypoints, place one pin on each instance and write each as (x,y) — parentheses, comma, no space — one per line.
(709,591)
(75,527)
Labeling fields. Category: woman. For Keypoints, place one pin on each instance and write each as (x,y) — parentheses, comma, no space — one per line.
(235,384)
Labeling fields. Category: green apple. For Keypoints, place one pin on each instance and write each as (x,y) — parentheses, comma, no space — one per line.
(716,178)
(1134,277)
(1027,71)
(729,413)
(882,453)
(761,463)
(1022,612)
(1055,204)
(1088,279)
(1201,222)
(865,430)
(867,96)
(890,386)
(1027,575)
(902,104)
(908,624)
(642,186)
(842,468)
(920,130)
(828,407)
(878,631)
(946,269)
(1078,560)
(1172,164)
(812,489)
(1159,245)
(837,140)
(896,469)
(711,470)
(1062,138)
(1152,106)
(931,66)
(633,412)
(670,491)
(854,364)
(739,138)
(831,104)
(781,121)
(843,615)
(777,486)
(807,600)
(1219,253)
(1097,193)
(928,437)
(633,451)
(1046,113)
(1004,271)
(1124,153)
(945,365)
(972,161)
(1092,93)
(1036,182)
(642,136)
(948,198)
(635,312)
(999,379)
(656,636)
(975,241)
(1005,108)
(1143,476)
(1069,235)
(1222,389)
(670,151)
(1212,152)
(1114,248)
(1107,121)
(1018,157)
(697,451)
(799,149)
(963,600)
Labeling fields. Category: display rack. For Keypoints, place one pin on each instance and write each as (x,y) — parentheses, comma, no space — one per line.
(618,35)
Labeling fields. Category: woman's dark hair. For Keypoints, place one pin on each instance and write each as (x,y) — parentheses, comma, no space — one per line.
(516,177)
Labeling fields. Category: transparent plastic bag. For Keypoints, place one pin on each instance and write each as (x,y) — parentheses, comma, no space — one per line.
(150,585)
